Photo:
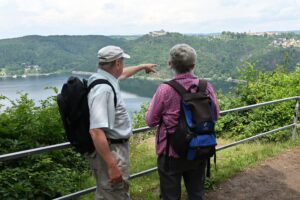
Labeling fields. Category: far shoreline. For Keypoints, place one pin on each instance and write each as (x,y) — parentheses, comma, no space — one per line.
(29,75)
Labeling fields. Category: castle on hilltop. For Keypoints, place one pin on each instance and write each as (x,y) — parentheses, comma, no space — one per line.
(158,33)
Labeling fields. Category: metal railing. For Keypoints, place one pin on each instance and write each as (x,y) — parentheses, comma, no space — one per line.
(65,145)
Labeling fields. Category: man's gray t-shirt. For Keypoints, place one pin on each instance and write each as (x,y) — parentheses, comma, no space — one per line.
(103,114)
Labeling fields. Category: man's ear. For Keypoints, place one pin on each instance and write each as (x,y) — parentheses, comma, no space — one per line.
(119,63)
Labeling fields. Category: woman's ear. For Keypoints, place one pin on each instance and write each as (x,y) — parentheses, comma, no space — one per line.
(193,67)
(169,65)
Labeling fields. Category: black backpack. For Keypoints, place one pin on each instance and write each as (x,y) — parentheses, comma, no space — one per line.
(194,137)
(74,111)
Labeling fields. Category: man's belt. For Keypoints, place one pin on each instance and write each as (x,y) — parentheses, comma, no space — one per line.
(116,141)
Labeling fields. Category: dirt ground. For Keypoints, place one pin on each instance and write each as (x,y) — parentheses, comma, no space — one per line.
(275,178)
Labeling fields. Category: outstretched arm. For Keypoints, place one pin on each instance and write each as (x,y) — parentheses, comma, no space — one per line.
(129,71)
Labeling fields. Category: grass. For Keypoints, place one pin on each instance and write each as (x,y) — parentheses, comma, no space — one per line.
(229,162)
(143,157)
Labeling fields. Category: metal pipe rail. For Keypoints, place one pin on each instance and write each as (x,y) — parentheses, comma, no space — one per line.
(92,189)
(20,154)
(259,105)
(65,145)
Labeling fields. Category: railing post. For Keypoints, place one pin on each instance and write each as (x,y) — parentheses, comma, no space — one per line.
(295,118)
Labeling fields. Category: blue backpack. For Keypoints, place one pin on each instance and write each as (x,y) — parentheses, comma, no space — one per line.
(194,137)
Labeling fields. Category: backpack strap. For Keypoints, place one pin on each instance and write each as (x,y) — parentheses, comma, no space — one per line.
(177,87)
(202,85)
(208,165)
(103,81)
(181,90)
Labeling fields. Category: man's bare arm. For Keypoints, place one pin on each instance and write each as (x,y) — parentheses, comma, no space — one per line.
(102,148)
(129,71)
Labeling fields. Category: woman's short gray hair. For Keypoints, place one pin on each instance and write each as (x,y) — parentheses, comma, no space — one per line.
(182,58)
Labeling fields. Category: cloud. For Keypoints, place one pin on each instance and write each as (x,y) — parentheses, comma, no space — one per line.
(45,17)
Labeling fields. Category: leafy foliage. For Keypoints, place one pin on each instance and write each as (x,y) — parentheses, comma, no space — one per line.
(217,55)
(24,126)
(260,87)
(53,53)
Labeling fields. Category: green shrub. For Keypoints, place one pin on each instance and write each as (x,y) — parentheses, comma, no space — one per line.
(260,87)
(45,176)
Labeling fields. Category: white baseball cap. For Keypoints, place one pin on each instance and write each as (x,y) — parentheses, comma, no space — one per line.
(111,53)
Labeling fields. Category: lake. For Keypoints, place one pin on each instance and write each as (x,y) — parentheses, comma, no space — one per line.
(35,87)
(134,91)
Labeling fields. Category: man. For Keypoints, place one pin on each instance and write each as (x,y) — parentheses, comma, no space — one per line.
(164,110)
(110,125)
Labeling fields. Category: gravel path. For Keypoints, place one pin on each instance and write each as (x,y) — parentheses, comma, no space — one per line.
(275,178)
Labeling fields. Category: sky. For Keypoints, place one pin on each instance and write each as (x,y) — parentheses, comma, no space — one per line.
(131,17)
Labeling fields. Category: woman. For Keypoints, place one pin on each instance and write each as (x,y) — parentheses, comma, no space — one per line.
(164,112)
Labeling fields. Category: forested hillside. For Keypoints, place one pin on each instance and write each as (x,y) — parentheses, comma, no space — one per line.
(218,55)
